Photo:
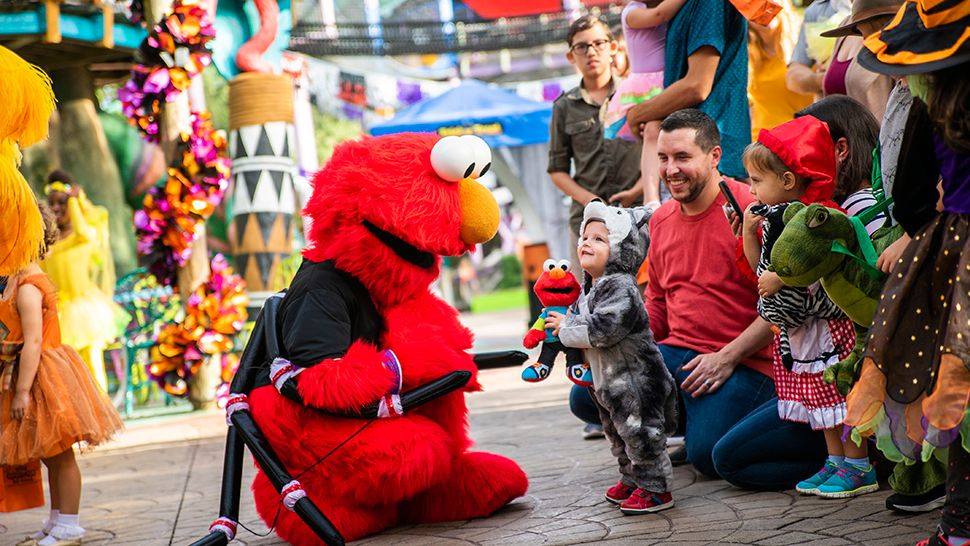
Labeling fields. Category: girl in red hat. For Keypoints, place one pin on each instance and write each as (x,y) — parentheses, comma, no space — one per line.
(795,161)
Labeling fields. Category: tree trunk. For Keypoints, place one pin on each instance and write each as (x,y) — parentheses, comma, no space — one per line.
(175,118)
(83,151)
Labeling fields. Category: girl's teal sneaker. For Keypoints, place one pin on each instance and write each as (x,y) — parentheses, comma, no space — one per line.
(810,486)
(849,481)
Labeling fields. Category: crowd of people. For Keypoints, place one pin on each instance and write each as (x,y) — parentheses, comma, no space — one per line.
(860,119)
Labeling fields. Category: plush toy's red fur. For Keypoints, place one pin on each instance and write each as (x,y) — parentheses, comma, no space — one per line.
(409,469)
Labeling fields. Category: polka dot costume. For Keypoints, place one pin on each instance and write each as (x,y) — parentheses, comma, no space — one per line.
(915,367)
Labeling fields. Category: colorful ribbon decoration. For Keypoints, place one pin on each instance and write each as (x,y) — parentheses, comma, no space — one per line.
(173,53)
(167,225)
(214,313)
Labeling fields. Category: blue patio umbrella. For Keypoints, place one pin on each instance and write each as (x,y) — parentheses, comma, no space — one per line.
(500,117)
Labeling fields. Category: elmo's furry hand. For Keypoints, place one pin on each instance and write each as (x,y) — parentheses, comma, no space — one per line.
(533,338)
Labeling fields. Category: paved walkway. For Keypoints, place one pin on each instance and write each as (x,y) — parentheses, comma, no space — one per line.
(159,484)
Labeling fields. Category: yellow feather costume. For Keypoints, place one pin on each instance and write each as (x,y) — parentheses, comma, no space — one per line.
(28,102)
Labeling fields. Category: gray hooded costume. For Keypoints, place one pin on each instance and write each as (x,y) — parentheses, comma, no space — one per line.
(636,395)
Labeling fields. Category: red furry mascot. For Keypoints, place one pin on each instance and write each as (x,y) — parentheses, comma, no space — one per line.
(383,211)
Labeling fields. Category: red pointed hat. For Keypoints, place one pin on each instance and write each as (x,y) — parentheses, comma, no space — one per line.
(805,145)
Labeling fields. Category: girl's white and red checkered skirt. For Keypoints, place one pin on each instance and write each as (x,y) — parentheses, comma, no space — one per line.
(806,397)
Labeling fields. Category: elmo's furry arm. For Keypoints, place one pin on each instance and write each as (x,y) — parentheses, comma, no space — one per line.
(535,335)
(357,379)
(339,373)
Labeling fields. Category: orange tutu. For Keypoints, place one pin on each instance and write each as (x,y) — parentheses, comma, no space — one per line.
(66,407)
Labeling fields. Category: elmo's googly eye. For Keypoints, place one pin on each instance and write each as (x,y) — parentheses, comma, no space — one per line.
(456,158)
(549,265)
(563,264)
(481,153)
(452,158)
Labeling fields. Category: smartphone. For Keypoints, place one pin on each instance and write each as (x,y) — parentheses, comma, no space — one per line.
(730,199)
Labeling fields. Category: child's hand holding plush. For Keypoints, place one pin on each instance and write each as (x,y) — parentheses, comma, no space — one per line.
(769,283)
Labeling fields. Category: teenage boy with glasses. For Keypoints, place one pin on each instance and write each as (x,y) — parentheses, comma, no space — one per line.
(607,169)
(600,168)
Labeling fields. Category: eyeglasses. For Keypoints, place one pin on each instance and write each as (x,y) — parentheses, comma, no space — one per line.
(582,48)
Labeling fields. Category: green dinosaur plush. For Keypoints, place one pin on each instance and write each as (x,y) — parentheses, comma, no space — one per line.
(803,255)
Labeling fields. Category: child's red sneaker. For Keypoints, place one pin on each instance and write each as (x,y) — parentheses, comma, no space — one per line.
(642,501)
(619,492)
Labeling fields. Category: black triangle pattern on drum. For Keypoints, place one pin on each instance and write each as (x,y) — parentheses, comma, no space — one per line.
(240,147)
(252,179)
(242,264)
(241,221)
(266,221)
(287,224)
(264,260)
(263,147)
(277,177)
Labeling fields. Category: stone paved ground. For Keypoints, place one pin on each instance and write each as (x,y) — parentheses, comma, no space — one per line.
(159,484)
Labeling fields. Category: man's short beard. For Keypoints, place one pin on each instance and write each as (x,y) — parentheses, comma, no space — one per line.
(694,190)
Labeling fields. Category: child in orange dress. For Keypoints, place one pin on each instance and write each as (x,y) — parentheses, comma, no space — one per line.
(48,400)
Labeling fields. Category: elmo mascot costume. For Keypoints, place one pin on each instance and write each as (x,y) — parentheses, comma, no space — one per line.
(383,211)
(556,289)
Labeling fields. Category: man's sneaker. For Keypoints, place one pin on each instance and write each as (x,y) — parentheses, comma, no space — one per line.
(619,492)
(849,481)
(927,502)
(810,486)
(678,456)
(593,431)
(642,501)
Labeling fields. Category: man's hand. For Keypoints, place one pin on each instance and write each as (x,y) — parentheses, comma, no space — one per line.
(635,119)
(626,198)
(708,372)
(890,257)
(734,220)
(18,406)
(769,283)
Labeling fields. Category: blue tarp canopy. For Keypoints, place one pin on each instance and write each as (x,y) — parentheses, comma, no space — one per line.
(500,117)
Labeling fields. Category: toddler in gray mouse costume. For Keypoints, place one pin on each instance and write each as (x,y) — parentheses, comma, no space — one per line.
(635,393)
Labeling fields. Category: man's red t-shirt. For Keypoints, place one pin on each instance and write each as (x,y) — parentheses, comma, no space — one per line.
(697,298)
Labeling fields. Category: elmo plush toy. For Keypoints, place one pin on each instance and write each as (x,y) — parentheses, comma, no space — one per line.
(383,211)
(556,289)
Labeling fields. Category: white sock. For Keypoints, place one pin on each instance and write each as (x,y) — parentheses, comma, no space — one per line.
(65,528)
(69,520)
(47,526)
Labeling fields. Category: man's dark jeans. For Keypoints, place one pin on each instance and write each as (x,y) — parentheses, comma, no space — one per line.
(582,405)
(735,433)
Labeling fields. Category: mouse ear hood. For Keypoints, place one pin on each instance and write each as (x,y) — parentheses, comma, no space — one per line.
(628,234)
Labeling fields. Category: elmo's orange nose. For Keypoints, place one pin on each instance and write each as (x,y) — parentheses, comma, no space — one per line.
(479,212)
(557,273)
